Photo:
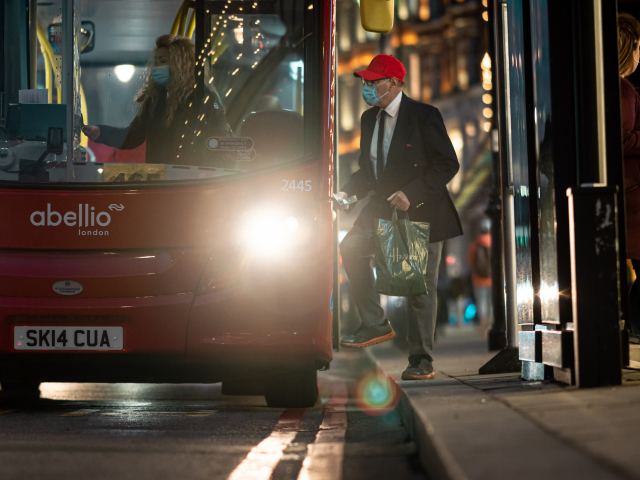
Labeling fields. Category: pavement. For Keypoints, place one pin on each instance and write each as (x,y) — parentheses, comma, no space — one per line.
(137,431)
(471,426)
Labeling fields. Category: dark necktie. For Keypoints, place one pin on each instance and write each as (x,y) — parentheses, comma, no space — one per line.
(380,159)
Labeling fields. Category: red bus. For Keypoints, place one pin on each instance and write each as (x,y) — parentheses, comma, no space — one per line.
(217,268)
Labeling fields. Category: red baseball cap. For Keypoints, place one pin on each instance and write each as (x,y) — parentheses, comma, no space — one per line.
(383,66)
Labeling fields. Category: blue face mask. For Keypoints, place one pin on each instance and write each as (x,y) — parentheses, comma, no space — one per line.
(370,93)
(161,75)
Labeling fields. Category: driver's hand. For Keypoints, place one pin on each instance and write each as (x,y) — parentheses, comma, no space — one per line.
(92,132)
(341,196)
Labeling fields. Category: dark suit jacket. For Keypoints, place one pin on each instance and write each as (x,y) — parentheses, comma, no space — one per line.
(420,163)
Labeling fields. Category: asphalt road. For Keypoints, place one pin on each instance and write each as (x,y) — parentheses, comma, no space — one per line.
(134,431)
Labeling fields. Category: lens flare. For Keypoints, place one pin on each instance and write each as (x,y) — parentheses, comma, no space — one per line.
(375,393)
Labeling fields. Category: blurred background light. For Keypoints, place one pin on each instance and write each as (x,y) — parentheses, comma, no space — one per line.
(124,73)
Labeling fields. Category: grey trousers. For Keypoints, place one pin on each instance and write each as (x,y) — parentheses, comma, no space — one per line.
(357,250)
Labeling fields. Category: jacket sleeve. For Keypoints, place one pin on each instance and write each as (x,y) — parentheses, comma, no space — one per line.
(361,182)
(442,162)
(126,138)
(629,103)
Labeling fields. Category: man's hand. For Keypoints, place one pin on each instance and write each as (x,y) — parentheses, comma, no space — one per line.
(400,201)
(341,196)
(93,133)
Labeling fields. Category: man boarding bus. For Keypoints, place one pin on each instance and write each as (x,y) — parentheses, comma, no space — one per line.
(407,160)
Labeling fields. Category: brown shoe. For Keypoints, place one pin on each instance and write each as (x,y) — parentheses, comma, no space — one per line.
(410,376)
(365,337)
(419,369)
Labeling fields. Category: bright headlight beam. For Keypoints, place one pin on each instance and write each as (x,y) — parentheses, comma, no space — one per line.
(269,233)
(291,223)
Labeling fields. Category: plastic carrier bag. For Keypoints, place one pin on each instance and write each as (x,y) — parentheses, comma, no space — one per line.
(401,254)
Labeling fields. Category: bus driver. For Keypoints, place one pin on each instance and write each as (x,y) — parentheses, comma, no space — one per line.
(169,120)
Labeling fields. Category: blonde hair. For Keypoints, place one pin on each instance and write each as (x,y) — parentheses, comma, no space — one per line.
(628,37)
(182,59)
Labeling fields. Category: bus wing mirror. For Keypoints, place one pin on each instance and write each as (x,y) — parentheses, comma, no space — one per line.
(54,140)
(376,15)
(87,36)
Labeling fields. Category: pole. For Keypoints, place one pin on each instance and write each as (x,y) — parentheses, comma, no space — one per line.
(337,304)
(507,359)
(497,339)
(504,118)
(33,44)
(67,79)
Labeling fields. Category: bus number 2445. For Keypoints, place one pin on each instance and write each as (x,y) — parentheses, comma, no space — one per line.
(302,185)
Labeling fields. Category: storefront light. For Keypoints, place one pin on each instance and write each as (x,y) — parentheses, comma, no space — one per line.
(470,129)
(403,10)
(457,141)
(487,112)
(487,77)
(424,10)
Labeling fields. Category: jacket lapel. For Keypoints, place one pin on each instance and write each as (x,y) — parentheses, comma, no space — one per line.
(400,133)
(368,124)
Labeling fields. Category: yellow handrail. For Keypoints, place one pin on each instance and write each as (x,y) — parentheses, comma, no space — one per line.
(192,24)
(184,12)
(84,141)
(48,54)
(176,23)
(47,62)
(47,77)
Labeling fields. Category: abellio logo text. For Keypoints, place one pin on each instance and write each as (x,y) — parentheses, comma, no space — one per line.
(86,218)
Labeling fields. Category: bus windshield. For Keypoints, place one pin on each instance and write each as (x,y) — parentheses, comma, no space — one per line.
(163,91)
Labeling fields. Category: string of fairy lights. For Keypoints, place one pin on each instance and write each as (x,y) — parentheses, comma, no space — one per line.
(218,42)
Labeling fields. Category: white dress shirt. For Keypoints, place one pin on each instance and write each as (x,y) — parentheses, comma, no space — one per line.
(389,127)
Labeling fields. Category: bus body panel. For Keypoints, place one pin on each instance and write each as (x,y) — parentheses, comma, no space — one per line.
(271,318)
(143,218)
(105,274)
(172,299)
(150,324)
(283,309)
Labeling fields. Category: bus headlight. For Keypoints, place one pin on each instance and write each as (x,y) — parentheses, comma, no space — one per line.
(269,233)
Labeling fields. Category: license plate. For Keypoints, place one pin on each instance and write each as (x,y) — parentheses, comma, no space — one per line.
(67,338)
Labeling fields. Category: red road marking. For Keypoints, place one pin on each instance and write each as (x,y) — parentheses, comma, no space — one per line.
(264,457)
